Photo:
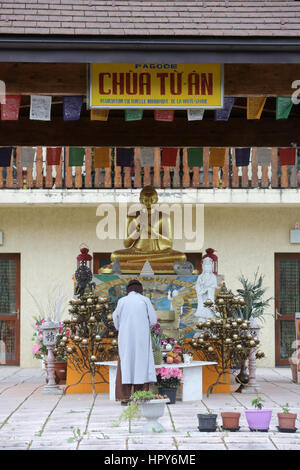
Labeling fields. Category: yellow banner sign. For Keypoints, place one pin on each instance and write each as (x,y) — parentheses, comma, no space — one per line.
(156,86)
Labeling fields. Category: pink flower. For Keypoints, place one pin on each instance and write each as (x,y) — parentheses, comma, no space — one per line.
(36,348)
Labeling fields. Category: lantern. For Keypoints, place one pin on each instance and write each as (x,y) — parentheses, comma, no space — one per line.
(50,330)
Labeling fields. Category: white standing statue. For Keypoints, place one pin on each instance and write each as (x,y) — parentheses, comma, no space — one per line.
(205,287)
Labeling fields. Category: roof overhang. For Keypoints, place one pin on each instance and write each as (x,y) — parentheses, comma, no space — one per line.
(88,49)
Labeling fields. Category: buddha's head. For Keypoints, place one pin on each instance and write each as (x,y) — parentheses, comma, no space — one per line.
(148,196)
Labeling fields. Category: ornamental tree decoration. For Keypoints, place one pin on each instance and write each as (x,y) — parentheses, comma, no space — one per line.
(227,338)
(90,324)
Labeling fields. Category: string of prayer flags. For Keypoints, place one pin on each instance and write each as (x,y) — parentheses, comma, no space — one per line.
(40,108)
(72,107)
(76,156)
(284,105)
(27,157)
(195,114)
(169,156)
(223,114)
(264,156)
(11,108)
(195,156)
(147,156)
(217,156)
(166,115)
(99,114)
(5,156)
(242,156)
(133,114)
(101,157)
(255,106)
(125,156)
(53,155)
(287,156)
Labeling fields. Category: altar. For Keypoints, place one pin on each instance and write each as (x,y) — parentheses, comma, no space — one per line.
(191,386)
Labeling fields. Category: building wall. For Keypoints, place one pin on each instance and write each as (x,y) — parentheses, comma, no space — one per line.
(48,239)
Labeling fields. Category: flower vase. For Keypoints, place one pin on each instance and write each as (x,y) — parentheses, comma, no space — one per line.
(158,357)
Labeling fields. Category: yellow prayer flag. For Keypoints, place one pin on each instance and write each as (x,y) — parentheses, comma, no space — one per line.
(99,114)
(101,157)
(217,156)
(255,106)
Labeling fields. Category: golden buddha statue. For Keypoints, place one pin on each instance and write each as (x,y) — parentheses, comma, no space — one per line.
(149,238)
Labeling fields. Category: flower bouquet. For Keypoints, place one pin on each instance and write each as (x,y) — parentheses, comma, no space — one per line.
(168,379)
(156,336)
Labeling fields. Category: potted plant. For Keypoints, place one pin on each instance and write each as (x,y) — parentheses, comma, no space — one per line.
(258,419)
(286,420)
(156,336)
(168,379)
(207,422)
(151,407)
(230,420)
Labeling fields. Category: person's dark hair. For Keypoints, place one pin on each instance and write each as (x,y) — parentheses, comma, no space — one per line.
(134,285)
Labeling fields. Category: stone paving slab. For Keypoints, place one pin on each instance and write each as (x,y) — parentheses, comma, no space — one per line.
(32,420)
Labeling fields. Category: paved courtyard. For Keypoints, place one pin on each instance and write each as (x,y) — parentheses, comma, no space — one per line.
(31,420)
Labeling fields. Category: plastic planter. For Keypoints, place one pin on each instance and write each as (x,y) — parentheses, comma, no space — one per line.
(258,420)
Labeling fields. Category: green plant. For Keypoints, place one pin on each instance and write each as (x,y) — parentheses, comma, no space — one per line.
(252,293)
(131,412)
(257,403)
(142,396)
(285,408)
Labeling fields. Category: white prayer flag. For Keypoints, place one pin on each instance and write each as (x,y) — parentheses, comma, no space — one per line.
(40,107)
(195,114)
(147,156)
(27,157)
(264,156)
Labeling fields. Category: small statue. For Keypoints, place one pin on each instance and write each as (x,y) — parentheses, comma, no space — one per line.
(176,305)
(205,287)
(83,273)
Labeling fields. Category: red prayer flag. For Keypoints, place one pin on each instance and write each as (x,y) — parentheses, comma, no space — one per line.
(287,156)
(169,156)
(164,115)
(53,155)
(10,110)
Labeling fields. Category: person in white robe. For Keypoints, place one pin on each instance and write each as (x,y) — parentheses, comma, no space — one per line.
(133,319)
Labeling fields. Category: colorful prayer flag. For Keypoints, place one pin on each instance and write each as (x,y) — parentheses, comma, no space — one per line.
(99,114)
(195,114)
(5,156)
(27,157)
(133,114)
(10,110)
(101,157)
(195,156)
(287,156)
(283,107)
(255,106)
(224,113)
(217,156)
(164,115)
(53,155)
(76,156)
(40,108)
(125,156)
(242,156)
(147,156)
(72,107)
(169,156)
(264,156)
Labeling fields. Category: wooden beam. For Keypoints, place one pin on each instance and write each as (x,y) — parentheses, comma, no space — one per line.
(148,132)
(71,79)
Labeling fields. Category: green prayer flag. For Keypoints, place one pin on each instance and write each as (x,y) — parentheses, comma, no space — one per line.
(283,107)
(76,156)
(195,156)
(133,114)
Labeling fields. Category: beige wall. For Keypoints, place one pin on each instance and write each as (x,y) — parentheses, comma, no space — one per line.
(48,240)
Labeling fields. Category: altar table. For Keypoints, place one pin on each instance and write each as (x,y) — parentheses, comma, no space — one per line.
(191,386)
